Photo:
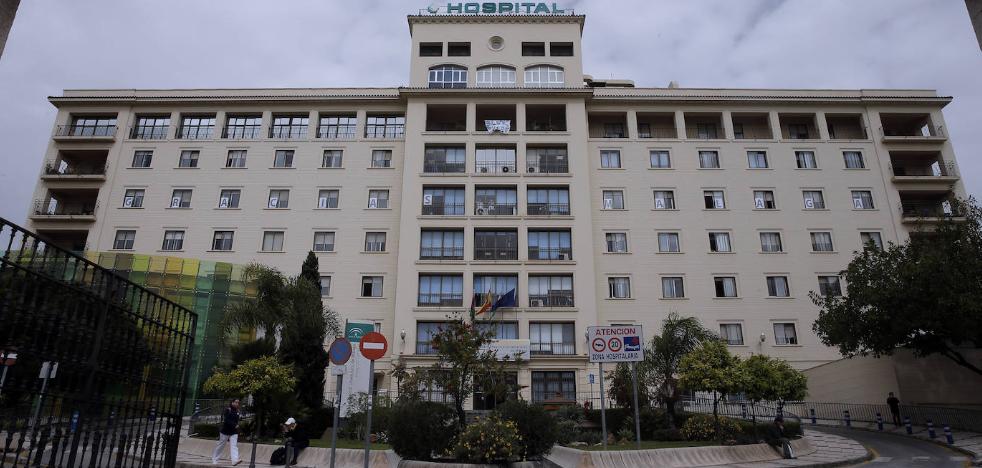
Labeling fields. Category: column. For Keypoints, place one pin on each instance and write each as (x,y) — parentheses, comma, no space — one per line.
(775,125)
(680,125)
(728,126)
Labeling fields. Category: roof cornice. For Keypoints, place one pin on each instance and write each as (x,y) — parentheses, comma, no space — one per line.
(477,19)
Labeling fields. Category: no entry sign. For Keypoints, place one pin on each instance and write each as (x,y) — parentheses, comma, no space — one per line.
(621,343)
(373,346)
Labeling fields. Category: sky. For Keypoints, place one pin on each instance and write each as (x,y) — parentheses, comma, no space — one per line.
(65,44)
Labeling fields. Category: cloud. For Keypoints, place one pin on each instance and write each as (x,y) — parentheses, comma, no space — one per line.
(57,44)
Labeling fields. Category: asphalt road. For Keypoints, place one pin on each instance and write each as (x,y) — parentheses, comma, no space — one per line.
(899,451)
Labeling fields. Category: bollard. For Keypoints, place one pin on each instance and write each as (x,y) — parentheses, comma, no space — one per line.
(811,411)
(910,430)
(848,420)
(879,422)
(947,435)
(930,429)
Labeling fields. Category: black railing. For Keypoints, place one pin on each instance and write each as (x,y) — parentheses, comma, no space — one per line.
(196,132)
(93,131)
(288,132)
(539,348)
(46,208)
(490,253)
(440,299)
(385,131)
(548,168)
(548,209)
(497,209)
(933,131)
(441,167)
(947,169)
(441,253)
(495,168)
(444,209)
(564,299)
(242,132)
(150,132)
(544,253)
(336,132)
(927,209)
(113,360)
(956,418)
(54,168)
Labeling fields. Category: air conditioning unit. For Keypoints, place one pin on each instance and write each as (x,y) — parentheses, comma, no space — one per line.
(128,202)
(484,169)
(480,211)
(564,255)
(507,169)
(223,203)
(175,202)
(531,169)
(537,303)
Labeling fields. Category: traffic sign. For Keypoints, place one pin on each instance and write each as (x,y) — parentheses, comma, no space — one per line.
(353,331)
(621,343)
(373,346)
(340,351)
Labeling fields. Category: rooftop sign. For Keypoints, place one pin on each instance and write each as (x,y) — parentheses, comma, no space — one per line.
(493,8)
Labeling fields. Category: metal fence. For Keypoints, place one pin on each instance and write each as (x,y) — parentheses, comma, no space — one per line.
(956,418)
(95,367)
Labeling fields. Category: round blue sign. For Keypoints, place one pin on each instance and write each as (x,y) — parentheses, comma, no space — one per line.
(340,351)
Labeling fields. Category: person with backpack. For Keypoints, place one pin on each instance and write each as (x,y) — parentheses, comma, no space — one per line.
(228,434)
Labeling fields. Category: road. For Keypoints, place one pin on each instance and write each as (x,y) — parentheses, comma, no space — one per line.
(899,451)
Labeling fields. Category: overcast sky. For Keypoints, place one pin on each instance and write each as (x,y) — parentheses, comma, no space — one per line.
(58,44)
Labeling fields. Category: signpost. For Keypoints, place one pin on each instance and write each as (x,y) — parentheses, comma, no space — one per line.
(373,346)
(620,343)
(339,354)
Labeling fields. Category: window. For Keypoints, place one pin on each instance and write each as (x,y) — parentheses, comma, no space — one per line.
(619,287)
(458,49)
(533,49)
(500,330)
(872,239)
(829,286)
(550,245)
(614,130)
(496,76)
(764,200)
(441,245)
(324,241)
(616,242)
(151,128)
(142,158)
(197,127)
(814,199)
(805,159)
(92,126)
(378,199)
(544,76)
(725,286)
(331,158)
(325,284)
(490,201)
(757,159)
(133,198)
(798,131)
(552,338)
(497,285)
(385,126)
(738,132)
(719,242)
(554,386)
(180,198)
(337,127)
(289,126)
(495,160)
(188,159)
(862,199)
(551,291)
(448,76)
(124,239)
(283,158)
(709,159)
(424,336)
(672,287)
(236,158)
(245,127)
(328,199)
(548,202)
(444,159)
(668,242)
(273,241)
(713,199)
(381,158)
(777,286)
(561,49)
(821,241)
(770,242)
(610,159)
(222,240)
(664,199)
(706,131)
(613,199)
(731,333)
(441,291)
(430,49)
(547,160)
(443,201)
(371,286)
(173,240)
(853,160)
(660,159)
(279,199)
(784,334)
(374,242)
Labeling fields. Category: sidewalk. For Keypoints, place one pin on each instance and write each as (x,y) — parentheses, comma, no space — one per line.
(830,450)
(969,443)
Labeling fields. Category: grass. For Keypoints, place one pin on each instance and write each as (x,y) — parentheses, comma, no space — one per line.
(649,444)
(347,444)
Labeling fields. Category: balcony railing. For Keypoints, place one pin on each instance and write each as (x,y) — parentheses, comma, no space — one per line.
(288,132)
(336,132)
(441,253)
(242,132)
(497,209)
(385,131)
(45,208)
(656,132)
(490,253)
(927,209)
(93,131)
(444,209)
(947,169)
(440,299)
(156,132)
(552,348)
(196,132)
(443,167)
(425,347)
(495,168)
(561,299)
(548,168)
(544,253)
(548,209)
(53,168)
(933,131)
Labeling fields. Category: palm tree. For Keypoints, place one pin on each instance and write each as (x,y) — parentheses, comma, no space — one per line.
(679,336)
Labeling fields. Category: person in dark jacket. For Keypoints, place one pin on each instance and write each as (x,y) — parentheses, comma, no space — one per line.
(778,439)
(228,434)
(296,437)
(894,404)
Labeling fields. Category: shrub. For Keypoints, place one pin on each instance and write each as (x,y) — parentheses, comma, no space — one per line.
(570,413)
(425,429)
(589,437)
(615,418)
(566,431)
(489,440)
(358,416)
(537,428)
(702,427)
(318,420)
(625,435)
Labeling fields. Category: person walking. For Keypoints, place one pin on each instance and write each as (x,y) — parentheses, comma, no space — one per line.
(228,434)
(894,404)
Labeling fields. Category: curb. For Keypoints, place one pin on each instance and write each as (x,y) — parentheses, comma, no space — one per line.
(975,458)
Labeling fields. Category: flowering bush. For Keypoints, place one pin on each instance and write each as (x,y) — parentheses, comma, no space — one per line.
(702,427)
(489,440)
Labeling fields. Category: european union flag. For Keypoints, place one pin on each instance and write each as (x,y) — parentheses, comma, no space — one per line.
(506,300)
(632,343)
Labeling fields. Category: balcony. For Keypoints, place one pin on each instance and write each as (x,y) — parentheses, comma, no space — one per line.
(926,208)
(548,209)
(242,132)
(552,299)
(607,124)
(85,133)
(495,209)
(550,254)
(657,125)
(196,132)
(846,127)
(441,253)
(495,118)
(440,299)
(798,126)
(496,167)
(385,126)
(72,240)
(704,126)
(77,166)
(495,253)
(546,160)
(443,209)
(149,132)
(542,348)
(337,126)
(545,117)
(446,117)
(66,206)
(288,132)
(910,128)
(751,126)
(444,167)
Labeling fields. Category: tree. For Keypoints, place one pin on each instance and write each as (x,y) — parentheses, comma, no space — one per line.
(622,386)
(923,295)
(711,368)
(311,270)
(679,336)
(771,379)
